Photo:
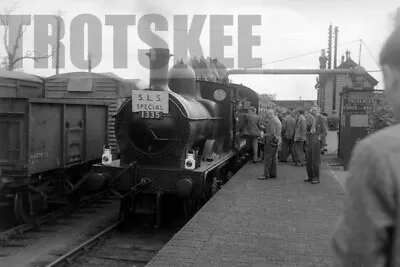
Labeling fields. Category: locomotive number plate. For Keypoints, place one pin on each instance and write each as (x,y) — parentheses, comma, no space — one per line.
(157,115)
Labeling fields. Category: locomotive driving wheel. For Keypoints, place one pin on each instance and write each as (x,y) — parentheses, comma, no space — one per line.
(212,187)
(27,206)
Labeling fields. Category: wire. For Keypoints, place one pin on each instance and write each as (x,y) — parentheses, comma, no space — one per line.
(369,52)
(300,55)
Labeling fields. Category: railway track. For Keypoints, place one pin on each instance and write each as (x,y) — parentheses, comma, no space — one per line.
(51,217)
(26,245)
(134,244)
(113,247)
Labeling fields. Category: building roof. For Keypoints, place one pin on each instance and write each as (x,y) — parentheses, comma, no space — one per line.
(17,75)
(349,63)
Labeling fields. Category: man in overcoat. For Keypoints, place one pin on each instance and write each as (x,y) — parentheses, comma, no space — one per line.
(300,139)
(288,128)
(316,129)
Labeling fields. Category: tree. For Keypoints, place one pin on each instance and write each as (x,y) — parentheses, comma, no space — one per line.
(12,47)
(381,116)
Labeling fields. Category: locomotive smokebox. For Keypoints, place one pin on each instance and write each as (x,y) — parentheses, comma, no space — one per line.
(159,63)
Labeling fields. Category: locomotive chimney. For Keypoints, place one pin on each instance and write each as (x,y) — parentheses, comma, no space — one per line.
(159,59)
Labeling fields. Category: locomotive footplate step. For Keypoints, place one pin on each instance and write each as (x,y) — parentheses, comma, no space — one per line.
(276,222)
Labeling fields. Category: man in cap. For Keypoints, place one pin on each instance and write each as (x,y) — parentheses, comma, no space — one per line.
(315,130)
(252,129)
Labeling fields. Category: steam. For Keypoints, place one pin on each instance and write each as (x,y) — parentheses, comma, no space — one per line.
(160,8)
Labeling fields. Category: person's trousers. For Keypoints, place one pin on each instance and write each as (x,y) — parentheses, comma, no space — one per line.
(299,155)
(252,145)
(270,159)
(313,156)
(287,149)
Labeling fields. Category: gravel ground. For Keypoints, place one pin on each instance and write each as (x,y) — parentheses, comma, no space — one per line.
(34,248)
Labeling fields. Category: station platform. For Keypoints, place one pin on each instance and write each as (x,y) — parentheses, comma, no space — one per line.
(275,222)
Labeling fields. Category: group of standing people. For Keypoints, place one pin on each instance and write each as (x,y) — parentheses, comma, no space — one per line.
(298,134)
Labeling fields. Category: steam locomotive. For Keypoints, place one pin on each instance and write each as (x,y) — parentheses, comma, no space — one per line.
(177,137)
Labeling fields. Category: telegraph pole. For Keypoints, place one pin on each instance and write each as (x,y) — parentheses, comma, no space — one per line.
(89,62)
(58,18)
(58,46)
(398,17)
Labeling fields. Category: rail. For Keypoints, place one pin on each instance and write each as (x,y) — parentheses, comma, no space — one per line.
(52,216)
(84,247)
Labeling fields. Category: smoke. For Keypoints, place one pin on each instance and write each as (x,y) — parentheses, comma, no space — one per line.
(160,8)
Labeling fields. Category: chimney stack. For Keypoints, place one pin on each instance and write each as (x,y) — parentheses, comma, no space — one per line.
(347,54)
(159,63)
(330,47)
(322,60)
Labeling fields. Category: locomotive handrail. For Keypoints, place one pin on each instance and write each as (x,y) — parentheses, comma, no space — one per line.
(160,139)
(358,71)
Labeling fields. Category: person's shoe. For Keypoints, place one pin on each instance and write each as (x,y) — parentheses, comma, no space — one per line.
(262,178)
(315,181)
(307,180)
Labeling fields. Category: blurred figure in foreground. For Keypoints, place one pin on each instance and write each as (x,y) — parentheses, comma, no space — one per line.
(368,230)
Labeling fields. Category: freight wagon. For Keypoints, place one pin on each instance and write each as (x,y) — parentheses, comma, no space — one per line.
(19,84)
(106,87)
(45,146)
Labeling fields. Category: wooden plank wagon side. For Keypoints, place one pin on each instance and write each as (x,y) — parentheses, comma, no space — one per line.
(107,87)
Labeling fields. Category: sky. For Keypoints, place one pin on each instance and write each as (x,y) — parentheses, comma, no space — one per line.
(288,28)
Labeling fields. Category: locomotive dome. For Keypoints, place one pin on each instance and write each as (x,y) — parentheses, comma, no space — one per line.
(182,79)
(181,71)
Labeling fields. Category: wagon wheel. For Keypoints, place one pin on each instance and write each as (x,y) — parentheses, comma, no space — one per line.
(24,212)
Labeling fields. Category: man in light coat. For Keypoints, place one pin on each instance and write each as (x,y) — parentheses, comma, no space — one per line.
(273,140)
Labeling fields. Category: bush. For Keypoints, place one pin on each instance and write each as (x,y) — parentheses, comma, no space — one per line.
(333,123)
(381,116)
